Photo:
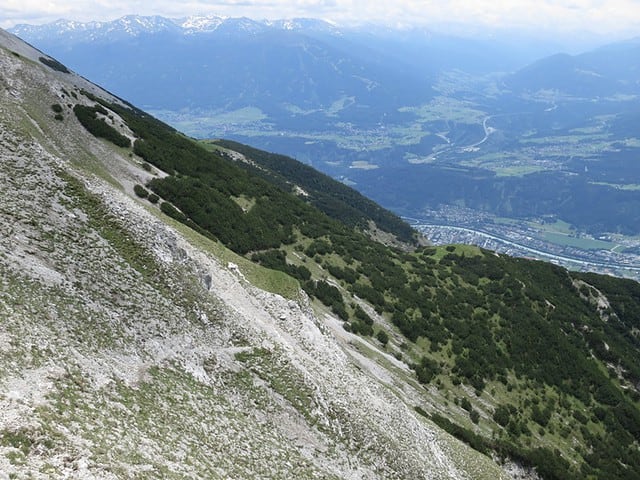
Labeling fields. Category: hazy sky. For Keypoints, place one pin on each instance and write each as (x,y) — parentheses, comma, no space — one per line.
(611,18)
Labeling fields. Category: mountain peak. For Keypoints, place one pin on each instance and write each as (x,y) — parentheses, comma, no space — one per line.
(136,24)
(201,23)
(304,24)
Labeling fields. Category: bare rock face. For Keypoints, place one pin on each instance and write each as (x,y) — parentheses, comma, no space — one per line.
(132,347)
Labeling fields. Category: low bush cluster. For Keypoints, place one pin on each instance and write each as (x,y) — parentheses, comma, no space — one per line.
(88,117)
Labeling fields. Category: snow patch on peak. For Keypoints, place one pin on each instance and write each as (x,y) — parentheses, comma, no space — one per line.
(201,23)
(246,25)
(134,24)
(289,25)
(305,24)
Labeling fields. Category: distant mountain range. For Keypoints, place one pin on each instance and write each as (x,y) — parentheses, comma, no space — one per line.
(450,49)
(231,62)
(213,63)
(135,25)
(299,67)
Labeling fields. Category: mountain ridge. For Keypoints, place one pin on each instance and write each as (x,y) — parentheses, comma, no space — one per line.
(606,70)
(134,25)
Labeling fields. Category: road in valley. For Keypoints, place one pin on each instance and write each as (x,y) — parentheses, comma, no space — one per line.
(523,249)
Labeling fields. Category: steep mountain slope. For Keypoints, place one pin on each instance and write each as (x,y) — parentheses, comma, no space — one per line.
(138,326)
(331,197)
(132,347)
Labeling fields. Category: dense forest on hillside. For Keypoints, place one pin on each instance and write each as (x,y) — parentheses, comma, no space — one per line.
(333,198)
(540,363)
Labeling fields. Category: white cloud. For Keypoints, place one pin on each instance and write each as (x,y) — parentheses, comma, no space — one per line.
(617,18)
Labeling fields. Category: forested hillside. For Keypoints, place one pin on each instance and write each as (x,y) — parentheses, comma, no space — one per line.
(333,198)
(522,358)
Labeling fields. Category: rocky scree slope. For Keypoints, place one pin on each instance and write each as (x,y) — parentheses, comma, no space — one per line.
(132,347)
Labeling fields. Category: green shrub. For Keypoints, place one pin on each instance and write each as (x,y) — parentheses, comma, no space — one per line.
(172,211)
(277,260)
(472,439)
(362,328)
(541,416)
(340,310)
(474,415)
(56,107)
(100,109)
(421,411)
(140,191)
(347,274)
(502,415)
(466,404)
(362,315)
(426,370)
(153,198)
(88,117)
(54,64)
